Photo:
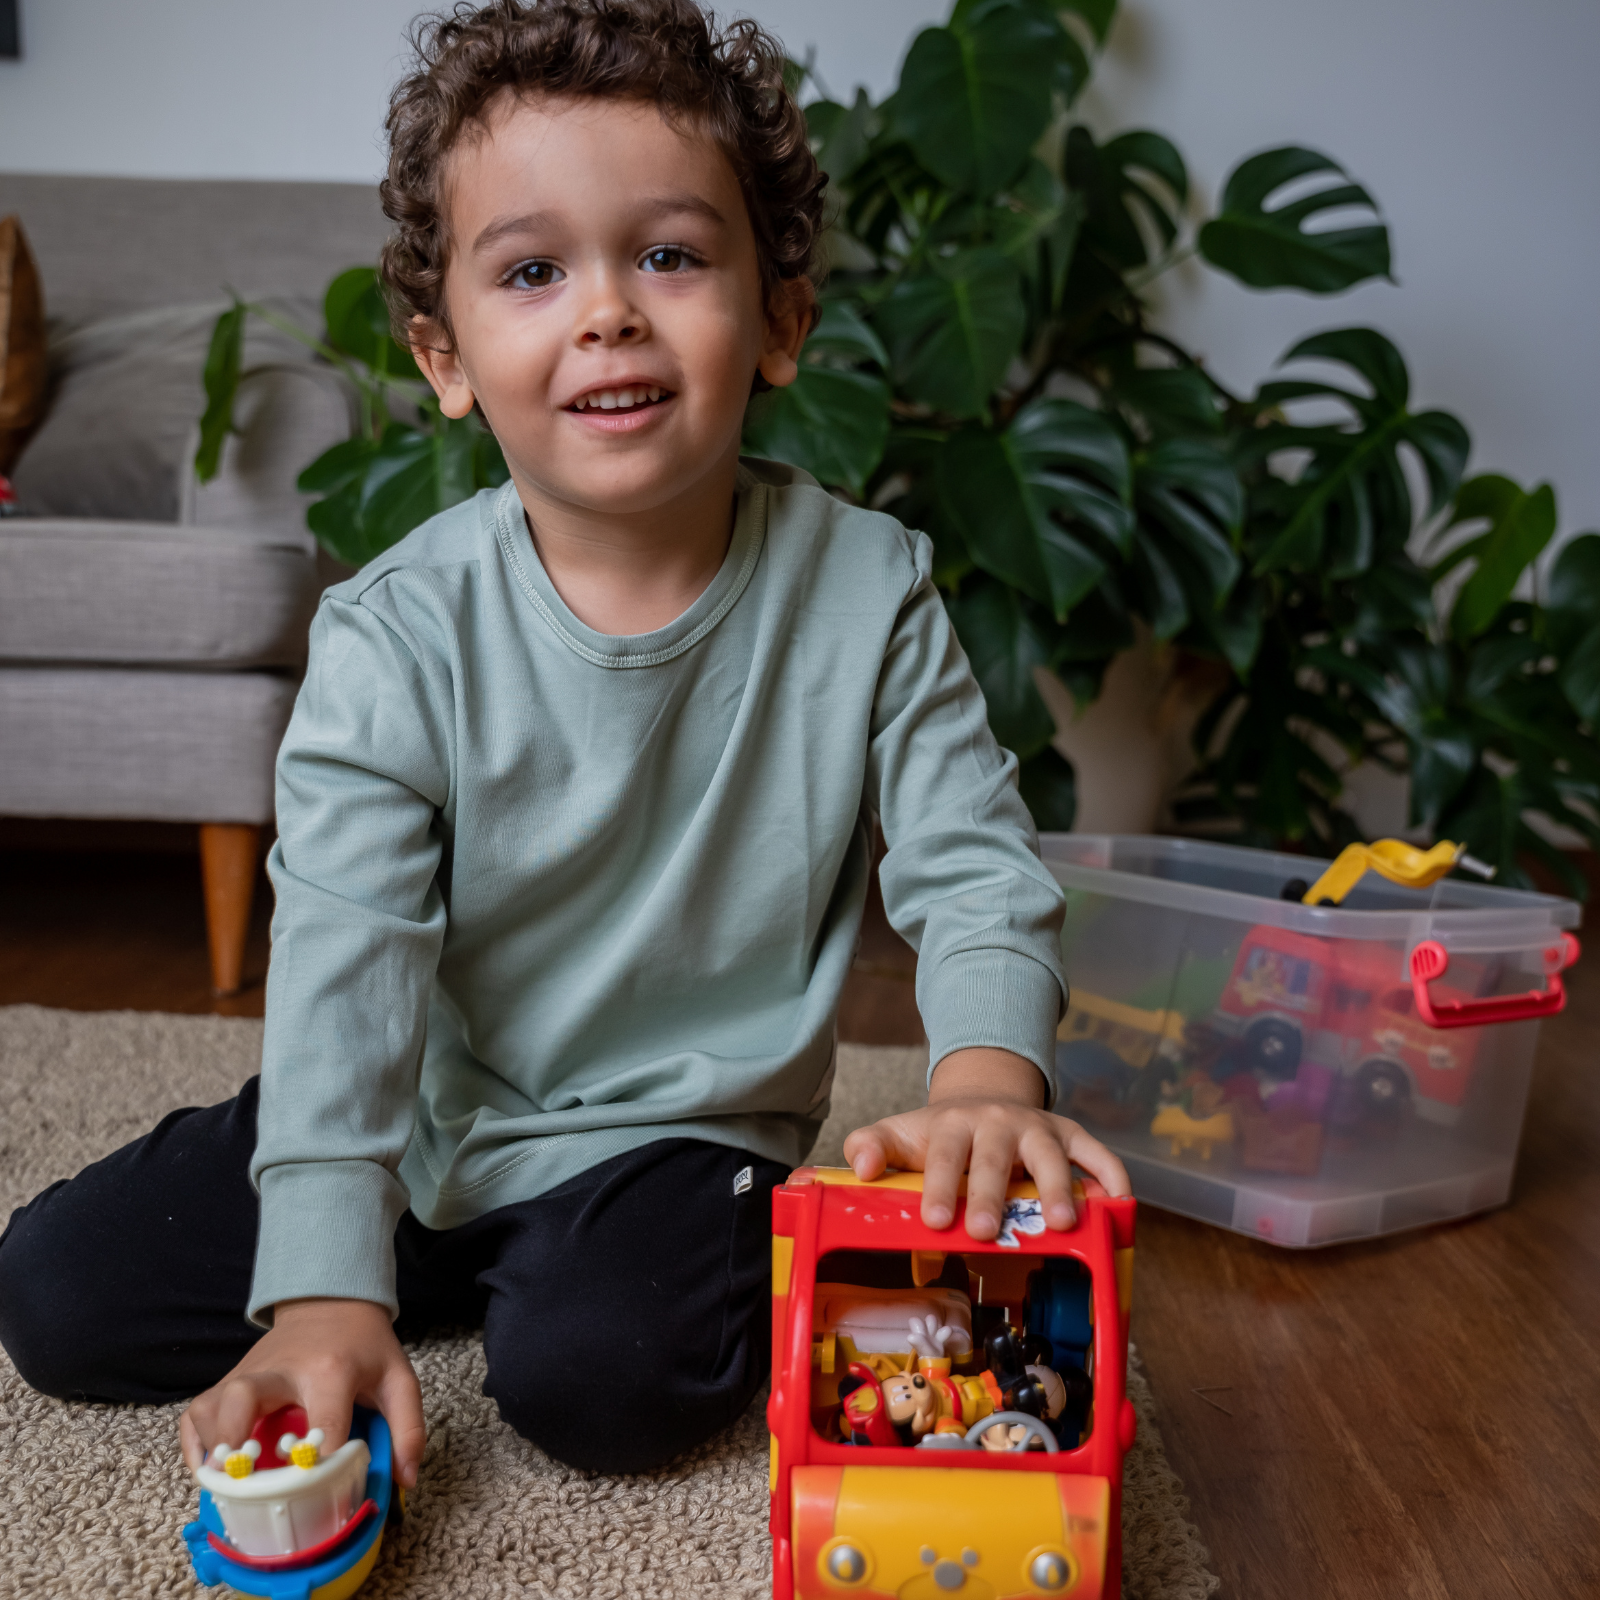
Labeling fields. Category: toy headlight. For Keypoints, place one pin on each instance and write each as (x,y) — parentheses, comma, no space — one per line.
(1049,1571)
(845,1563)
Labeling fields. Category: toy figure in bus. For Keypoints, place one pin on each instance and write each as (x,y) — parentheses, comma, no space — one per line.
(865,1418)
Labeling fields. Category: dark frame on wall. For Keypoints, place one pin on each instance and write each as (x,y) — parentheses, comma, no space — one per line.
(10,30)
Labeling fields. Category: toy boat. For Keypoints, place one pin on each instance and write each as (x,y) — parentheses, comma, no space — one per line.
(279,1521)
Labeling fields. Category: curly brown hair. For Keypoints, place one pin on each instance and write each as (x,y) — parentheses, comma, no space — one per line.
(728,81)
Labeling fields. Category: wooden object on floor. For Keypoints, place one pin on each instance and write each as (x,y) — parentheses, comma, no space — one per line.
(229,855)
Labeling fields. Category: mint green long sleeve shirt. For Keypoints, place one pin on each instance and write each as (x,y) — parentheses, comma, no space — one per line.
(545,894)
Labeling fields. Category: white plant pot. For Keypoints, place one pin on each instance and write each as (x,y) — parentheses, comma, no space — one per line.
(1130,748)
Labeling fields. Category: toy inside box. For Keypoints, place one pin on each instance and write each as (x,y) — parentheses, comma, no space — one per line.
(1304,1073)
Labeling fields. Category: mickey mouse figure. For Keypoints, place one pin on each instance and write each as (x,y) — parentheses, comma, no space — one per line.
(898,1411)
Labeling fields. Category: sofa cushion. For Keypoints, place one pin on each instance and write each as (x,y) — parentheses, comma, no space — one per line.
(22,342)
(133,592)
(148,745)
(125,393)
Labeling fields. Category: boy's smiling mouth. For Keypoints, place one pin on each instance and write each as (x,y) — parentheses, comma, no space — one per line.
(620,400)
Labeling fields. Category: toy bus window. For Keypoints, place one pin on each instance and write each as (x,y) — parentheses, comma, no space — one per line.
(1276,973)
(912,1349)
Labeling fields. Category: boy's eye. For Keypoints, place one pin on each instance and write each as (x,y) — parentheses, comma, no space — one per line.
(535,275)
(666,259)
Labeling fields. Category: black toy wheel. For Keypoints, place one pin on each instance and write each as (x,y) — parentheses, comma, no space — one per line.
(1272,1046)
(1382,1089)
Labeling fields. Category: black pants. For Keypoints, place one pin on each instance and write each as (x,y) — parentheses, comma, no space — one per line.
(625,1313)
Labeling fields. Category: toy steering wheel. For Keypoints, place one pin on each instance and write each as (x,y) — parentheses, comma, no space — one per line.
(1010,1419)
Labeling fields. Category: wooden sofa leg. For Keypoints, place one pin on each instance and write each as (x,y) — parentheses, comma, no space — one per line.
(229,855)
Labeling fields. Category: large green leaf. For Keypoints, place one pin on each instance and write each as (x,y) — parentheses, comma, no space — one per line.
(975,97)
(842,336)
(889,194)
(1190,490)
(833,420)
(358,324)
(1521,524)
(1123,208)
(1574,580)
(840,134)
(1005,645)
(375,491)
(1170,399)
(224,358)
(953,329)
(1351,502)
(1024,499)
(832,423)
(1580,677)
(1272,249)
(1411,685)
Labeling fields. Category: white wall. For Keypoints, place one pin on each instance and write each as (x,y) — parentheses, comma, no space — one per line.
(1475,122)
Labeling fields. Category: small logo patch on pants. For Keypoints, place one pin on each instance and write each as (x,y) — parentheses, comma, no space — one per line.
(743,1180)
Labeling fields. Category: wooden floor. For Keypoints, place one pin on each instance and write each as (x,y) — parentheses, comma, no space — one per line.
(1411,1418)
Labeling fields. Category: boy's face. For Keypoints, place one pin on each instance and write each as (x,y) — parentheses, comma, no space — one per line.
(605,303)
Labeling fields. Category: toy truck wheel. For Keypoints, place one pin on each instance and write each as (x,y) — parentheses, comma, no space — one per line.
(1272,1046)
(1382,1089)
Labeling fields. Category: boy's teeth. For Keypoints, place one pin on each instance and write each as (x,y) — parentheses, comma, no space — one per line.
(618,399)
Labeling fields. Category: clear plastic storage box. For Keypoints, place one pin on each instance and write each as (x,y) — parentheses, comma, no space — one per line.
(1301,1074)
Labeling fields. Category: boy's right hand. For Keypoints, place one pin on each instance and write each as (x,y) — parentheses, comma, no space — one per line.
(323,1355)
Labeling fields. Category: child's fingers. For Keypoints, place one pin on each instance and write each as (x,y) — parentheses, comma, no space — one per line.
(239,1401)
(1048,1166)
(867,1152)
(1098,1162)
(400,1400)
(328,1392)
(194,1453)
(994,1153)
(942,1165)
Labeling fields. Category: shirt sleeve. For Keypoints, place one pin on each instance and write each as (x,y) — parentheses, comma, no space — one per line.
(363,777)
(962,880)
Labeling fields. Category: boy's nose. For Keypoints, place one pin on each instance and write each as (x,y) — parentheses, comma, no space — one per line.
(607,318)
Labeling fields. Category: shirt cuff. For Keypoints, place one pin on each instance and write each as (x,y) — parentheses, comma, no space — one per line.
(994,999)
(327,1228)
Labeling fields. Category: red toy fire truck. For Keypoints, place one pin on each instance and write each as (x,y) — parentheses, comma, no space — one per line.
(1332,1017)
(948,1417)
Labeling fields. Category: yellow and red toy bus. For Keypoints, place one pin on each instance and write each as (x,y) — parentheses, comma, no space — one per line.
(964,1480)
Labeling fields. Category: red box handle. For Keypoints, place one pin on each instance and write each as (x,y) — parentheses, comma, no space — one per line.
(1430,960)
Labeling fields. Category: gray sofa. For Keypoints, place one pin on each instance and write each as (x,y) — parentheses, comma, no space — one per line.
(153,630)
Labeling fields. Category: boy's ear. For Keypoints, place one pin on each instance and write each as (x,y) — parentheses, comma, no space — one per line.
(791,315)
(441,365)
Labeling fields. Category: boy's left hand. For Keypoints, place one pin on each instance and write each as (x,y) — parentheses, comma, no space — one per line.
(984,1118)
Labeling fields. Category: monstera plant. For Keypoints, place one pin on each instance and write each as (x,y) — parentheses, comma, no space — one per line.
(988,368)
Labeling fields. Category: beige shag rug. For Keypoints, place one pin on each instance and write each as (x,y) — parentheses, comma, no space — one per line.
(94,1496)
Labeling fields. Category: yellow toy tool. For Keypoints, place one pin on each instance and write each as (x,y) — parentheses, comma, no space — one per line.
(1395,860)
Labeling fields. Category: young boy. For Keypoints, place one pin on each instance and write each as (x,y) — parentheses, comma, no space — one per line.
(574,819)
